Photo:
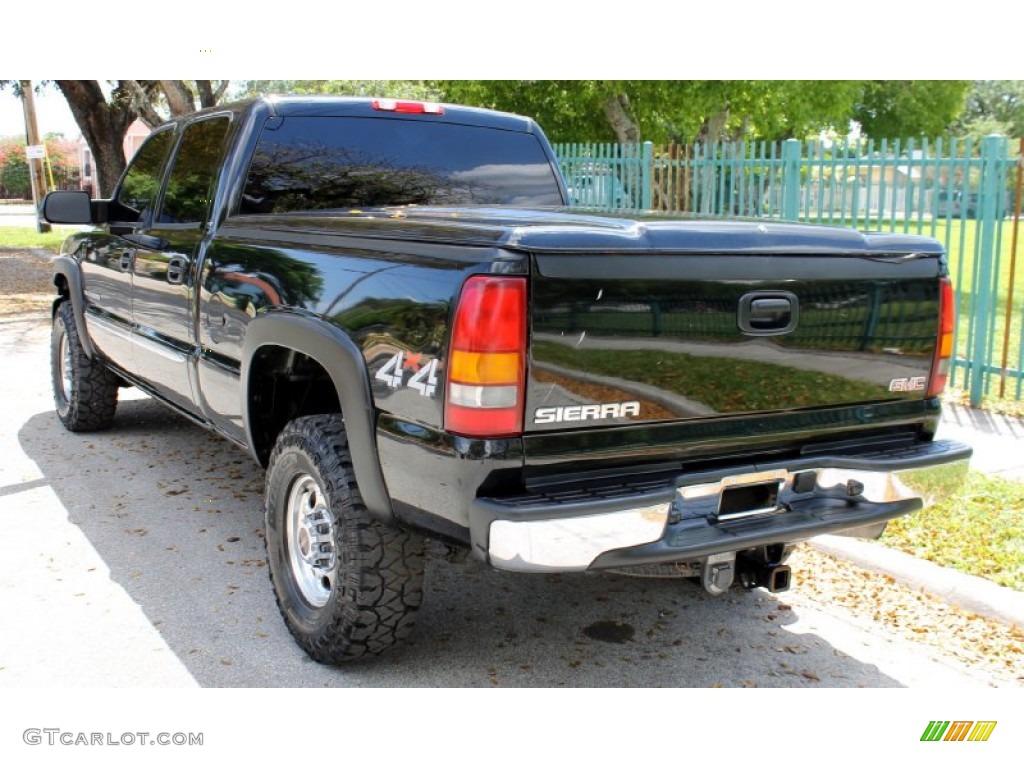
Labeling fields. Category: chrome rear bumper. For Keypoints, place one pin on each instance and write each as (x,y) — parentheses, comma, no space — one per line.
(805,497)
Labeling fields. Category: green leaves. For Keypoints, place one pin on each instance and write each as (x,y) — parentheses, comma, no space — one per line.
(685,111)
(902,108)
(993,106)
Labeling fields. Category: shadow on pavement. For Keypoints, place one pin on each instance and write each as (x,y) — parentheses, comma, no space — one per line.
(176,513)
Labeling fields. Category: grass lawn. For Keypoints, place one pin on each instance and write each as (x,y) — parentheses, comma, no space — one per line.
(960,239)
(27,237)
(1008,404)
(978,531)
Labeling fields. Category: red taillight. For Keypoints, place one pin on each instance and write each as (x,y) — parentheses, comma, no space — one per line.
(408,107)
(943,357)
(487,359)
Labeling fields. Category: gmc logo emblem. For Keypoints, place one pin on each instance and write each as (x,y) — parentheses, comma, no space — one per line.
(909,384)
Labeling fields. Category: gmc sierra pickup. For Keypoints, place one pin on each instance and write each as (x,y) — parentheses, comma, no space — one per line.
(390,306)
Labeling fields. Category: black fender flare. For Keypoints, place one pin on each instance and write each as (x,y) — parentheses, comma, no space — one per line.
(71,271)
(333,350)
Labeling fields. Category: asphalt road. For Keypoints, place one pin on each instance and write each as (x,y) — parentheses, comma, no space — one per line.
(135,557)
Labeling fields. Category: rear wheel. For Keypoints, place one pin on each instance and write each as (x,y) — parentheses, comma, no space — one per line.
(84,389)
(347,585)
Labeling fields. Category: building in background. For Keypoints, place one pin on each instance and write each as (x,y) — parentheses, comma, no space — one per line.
(133,138)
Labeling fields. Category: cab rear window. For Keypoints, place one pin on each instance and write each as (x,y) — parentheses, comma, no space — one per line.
(323,163)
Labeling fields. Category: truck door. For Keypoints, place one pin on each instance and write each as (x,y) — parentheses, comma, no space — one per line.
(165,263)
(107,263)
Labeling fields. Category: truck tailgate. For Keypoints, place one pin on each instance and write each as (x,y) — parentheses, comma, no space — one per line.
(653,337)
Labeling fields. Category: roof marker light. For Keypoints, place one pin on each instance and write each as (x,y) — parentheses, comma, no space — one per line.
(408,107)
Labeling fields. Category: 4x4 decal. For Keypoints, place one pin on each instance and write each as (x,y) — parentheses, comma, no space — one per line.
(424,378)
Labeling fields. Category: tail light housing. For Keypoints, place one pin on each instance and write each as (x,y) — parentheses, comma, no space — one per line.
(943,357)
(487,359)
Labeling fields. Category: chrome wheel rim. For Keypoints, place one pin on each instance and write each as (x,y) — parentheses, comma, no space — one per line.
(309,540)
(64,363)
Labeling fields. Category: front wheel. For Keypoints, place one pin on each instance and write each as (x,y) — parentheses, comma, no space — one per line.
(348,585)
(84,389)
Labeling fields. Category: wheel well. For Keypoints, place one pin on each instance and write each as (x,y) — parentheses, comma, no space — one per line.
(283,385)
(63,290)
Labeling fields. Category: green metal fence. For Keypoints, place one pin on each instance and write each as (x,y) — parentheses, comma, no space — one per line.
(955,190)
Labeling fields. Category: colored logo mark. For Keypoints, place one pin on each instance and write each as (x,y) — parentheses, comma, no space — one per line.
(958,730)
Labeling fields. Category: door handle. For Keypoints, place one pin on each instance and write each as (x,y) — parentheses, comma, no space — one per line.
(177,269)
(126,260)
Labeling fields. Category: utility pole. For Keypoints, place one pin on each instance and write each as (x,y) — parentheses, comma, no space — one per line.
(35,163)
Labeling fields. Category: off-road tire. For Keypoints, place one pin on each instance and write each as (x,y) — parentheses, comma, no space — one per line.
(365,603)
(84,389)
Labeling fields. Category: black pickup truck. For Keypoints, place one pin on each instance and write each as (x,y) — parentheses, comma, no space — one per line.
(390,306)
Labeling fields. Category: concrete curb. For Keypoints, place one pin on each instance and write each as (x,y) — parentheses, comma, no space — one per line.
(970,593)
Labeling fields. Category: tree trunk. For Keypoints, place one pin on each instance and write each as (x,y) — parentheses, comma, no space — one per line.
(143,94)
(219,93)
(180,98)
(620,118)
(714,126)
(103,125)
(208,95)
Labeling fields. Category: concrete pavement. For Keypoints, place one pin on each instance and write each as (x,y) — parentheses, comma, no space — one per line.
(998,440)
(56,589)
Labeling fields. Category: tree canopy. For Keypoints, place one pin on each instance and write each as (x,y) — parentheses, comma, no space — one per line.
(903,108)
(666,110)
(104,110)
(993,106)
(396,89)
(681,110)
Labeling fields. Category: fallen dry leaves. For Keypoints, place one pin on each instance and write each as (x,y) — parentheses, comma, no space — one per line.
(993,648)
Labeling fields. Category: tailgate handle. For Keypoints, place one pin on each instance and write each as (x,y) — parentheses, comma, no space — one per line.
(768,313)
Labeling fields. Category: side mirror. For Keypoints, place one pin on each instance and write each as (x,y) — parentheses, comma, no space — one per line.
(67,208)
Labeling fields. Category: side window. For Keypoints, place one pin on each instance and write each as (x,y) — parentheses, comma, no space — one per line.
(194,173)
(141,182)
